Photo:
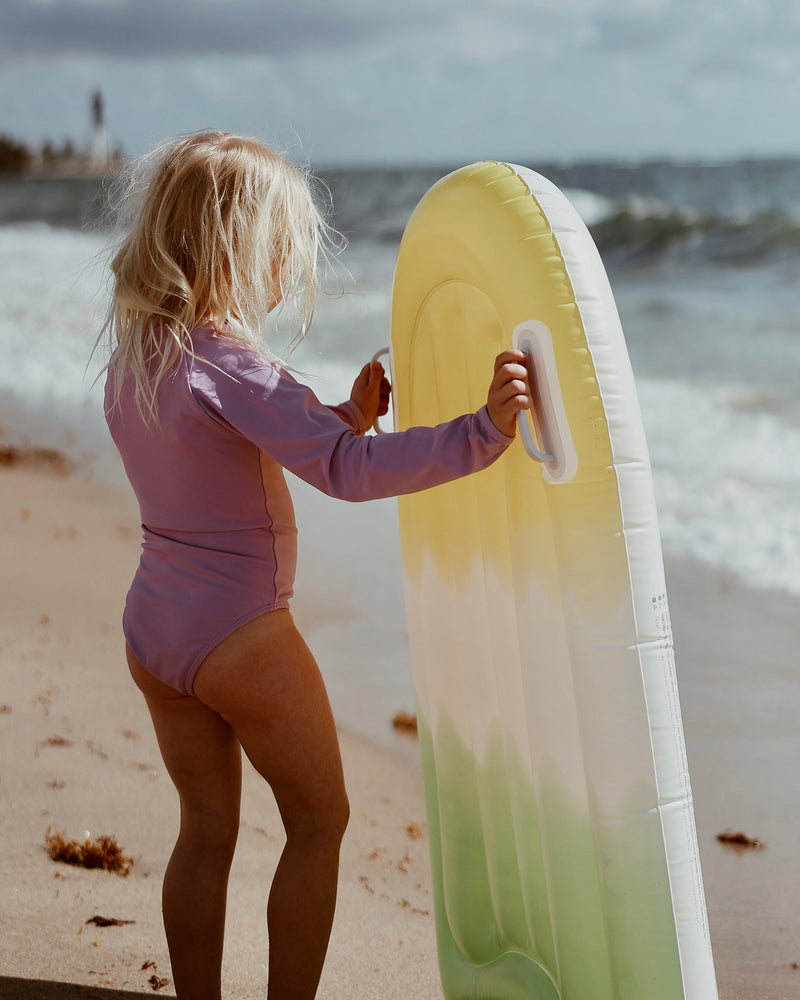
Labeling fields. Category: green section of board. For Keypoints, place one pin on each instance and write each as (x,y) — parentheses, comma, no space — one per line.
(515,913)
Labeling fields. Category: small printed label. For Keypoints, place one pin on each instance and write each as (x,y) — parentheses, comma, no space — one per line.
(660,608)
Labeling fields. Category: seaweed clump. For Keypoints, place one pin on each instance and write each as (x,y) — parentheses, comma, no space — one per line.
(405,721)
(41,459)
(101,852)
(740,841)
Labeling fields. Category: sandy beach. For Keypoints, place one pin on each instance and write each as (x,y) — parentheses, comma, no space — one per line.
(78,755)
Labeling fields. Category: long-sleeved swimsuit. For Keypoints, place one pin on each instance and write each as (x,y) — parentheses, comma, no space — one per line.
(219,546)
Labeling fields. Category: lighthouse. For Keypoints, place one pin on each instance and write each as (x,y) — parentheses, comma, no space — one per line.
(99,152)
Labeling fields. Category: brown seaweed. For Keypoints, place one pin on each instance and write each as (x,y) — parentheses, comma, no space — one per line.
(56,741)
(44,459)
(102,852)
(108,921)
(740,841)
(405,721)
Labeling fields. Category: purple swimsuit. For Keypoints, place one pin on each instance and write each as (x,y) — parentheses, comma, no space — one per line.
(219,543)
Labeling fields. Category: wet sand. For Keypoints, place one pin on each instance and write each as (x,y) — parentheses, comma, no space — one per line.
(737,654)
(78,754)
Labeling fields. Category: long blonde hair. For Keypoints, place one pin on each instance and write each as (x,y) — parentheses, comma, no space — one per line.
(217,228)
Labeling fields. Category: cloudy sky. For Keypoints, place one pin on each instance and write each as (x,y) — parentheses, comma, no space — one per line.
(413,81)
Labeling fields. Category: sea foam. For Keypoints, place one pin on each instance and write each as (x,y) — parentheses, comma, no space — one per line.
(727,475)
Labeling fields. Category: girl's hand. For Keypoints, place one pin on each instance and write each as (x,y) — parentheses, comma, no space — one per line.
(509,392)
(371,392)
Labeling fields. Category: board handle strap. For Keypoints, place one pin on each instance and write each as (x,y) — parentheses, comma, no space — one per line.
(375,357)
(552,446)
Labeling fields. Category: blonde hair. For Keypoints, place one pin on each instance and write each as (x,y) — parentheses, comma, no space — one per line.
(218,228)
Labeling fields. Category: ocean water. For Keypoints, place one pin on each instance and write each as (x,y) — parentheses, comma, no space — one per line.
(703,260)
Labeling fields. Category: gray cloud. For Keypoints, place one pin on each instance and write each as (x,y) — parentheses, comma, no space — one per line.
(153,28)
(635,31)
(162,27)
(417,79)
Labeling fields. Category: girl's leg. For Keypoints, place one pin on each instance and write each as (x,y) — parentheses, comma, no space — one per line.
(203,758)
(265,683)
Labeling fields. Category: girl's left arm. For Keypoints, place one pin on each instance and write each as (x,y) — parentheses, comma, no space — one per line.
(369,398)
(350,413)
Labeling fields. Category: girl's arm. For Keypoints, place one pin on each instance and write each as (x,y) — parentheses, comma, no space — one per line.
(350,412)
(369,398)
(508,393)
(286,420)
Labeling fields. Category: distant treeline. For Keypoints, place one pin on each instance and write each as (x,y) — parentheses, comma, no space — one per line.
(15,157)
(18,158)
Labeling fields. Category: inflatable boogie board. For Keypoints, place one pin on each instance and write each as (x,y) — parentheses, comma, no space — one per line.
(562,836)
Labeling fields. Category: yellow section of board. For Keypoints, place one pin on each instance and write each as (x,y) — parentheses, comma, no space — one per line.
(469,275)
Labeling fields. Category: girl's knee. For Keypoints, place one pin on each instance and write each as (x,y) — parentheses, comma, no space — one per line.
(210,834)
(342,816)
(333,822)
(324,827)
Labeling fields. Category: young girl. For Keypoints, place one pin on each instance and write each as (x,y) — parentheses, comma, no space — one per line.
(206,422)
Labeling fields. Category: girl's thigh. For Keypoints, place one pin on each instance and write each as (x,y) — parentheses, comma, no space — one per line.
(264,682)
(200,751)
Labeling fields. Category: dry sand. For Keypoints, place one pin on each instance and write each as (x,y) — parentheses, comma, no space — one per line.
(78,754)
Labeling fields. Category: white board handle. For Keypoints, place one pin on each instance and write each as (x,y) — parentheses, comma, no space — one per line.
(552,446)
(375,357)
(528,442)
